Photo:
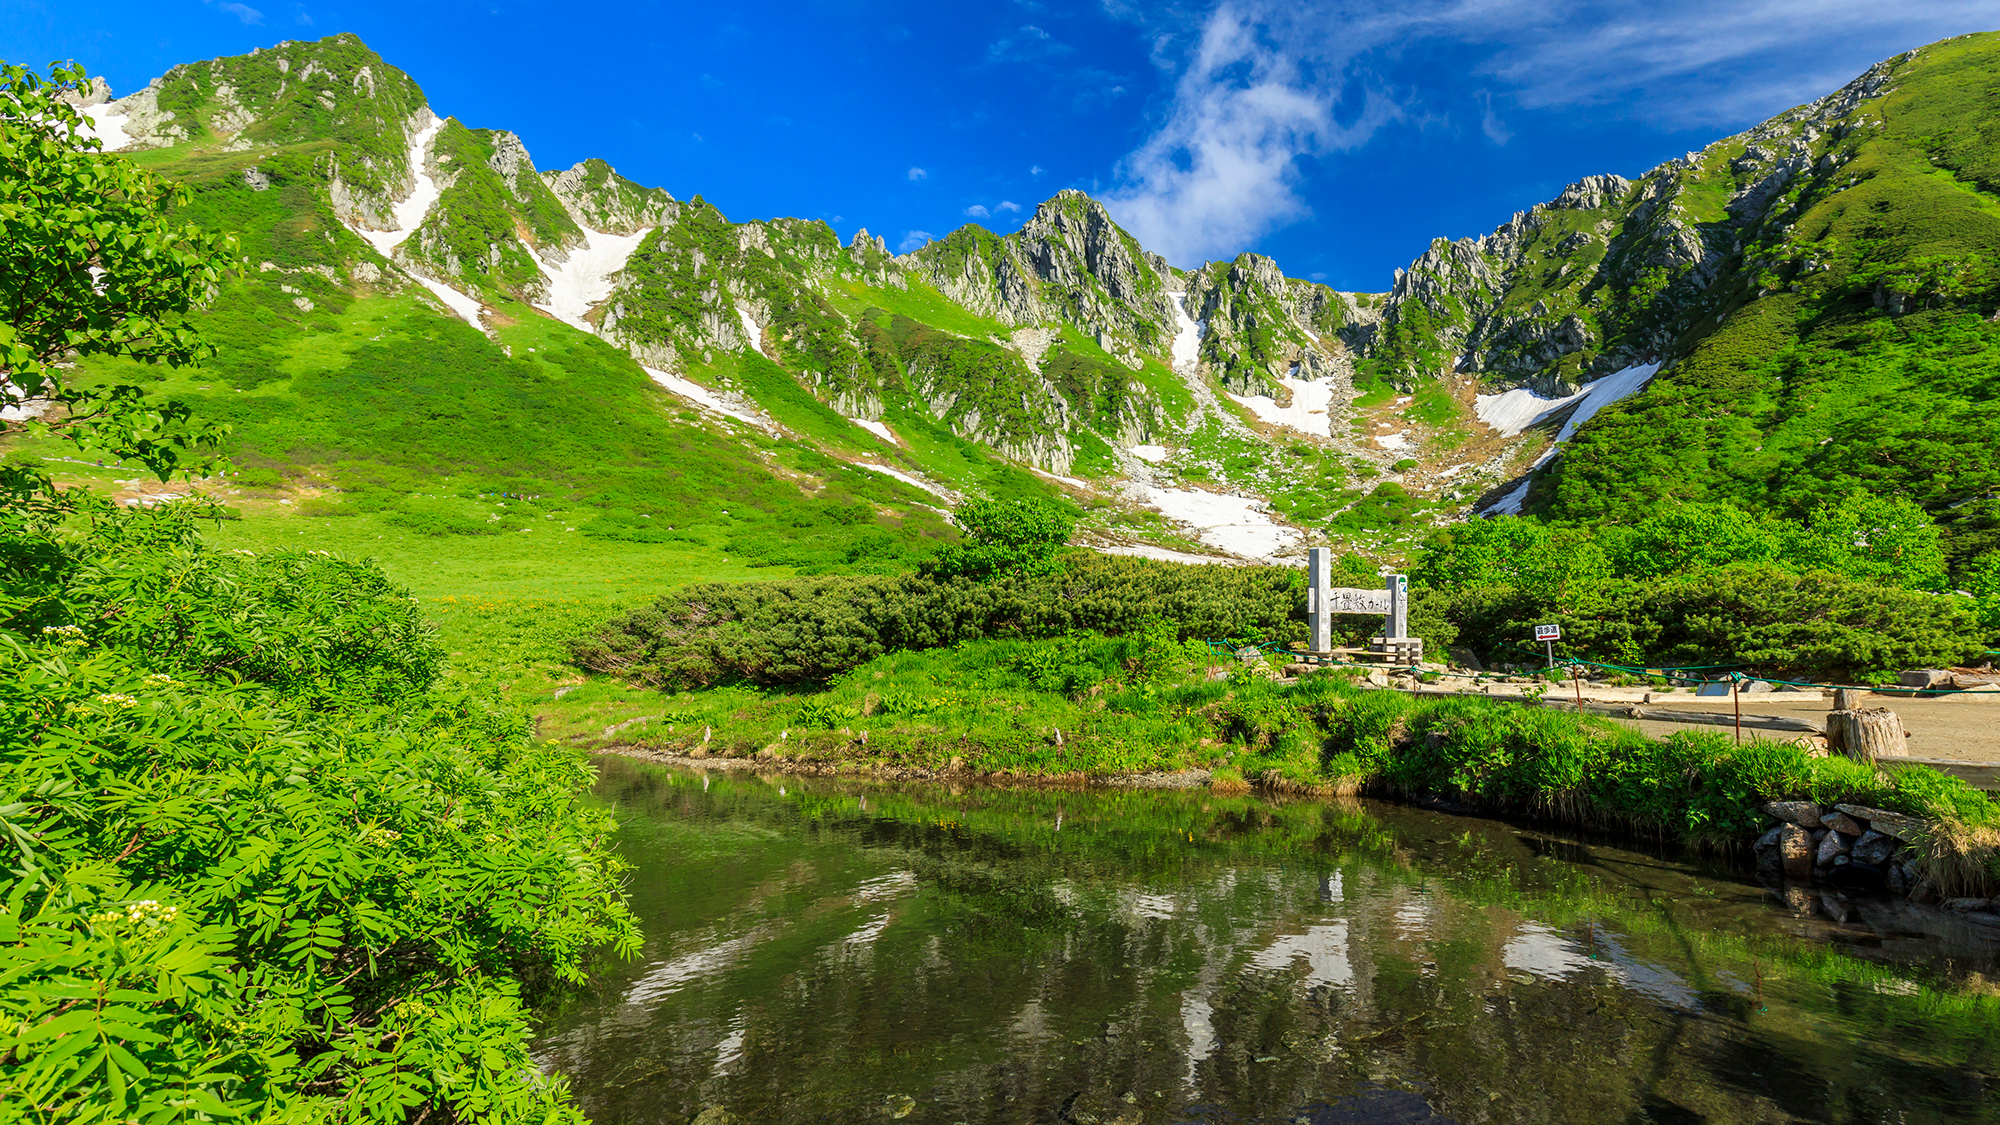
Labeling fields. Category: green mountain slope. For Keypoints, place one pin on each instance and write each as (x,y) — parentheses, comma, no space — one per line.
(1819,289)
(421,311)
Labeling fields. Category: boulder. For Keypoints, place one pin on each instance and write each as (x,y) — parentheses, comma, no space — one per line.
(1754,687)
(1924,678)
(1904,828)
(1795,847)
(1873,847)
(1834,845)
(1898,883)
(1842,823)
(1967,905)
(1805,814)
(1982,918)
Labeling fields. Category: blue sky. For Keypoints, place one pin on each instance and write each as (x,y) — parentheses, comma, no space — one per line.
(1338,138)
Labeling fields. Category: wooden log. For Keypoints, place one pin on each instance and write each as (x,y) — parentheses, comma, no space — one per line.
(1867,733)
(1849,699)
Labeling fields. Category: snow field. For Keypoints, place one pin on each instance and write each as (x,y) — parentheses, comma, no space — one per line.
(1187,340)
(1148,551)
(1309,413)
(467,308)
(1236,524)
(583,280)
(753,336)
(409,214)
(1152,453)
(106,123)
(1514,411)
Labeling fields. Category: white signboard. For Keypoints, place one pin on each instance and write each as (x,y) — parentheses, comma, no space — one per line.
(1548,632)
(1347,599)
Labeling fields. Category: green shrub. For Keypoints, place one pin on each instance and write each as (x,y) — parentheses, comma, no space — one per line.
(806,630)
(291,871)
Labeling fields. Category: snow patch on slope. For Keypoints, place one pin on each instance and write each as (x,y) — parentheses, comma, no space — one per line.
(409,214)
(1604,392)
(466,307)
(1152,453)
(1309,412)
(1187,337)
(1510,504)
(879,429)
(1513,411)
(1148,551)
(106,123)
(753,336)
(1237,524)
(938,491)
(703,397)
(584,279)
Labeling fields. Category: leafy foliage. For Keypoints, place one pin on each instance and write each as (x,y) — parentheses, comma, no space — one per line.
(91,264)
(1852,592)
(1023,537)
(263,861)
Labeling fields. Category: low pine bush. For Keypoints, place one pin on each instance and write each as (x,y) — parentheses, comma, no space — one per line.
(807,630)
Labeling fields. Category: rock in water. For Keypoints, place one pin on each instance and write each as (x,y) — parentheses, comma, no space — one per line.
(1795,846)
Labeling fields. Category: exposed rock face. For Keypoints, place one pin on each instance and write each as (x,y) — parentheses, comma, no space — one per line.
(1069,262)
(599,198)
(1262,326)
(1611,272)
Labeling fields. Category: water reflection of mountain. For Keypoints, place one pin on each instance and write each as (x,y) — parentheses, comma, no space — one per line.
(1179,957)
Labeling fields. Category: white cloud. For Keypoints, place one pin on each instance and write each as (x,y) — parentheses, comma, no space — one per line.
(1490,123)
(1027,44)
(1261,83)
(1221,171)
(1008,205)
(918,174)
(1035,171)
(915,240)
(242,12)
(978,212)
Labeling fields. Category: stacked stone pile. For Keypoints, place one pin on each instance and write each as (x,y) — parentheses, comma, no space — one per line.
(1849,846)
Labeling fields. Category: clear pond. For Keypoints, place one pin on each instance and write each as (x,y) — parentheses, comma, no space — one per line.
(824,950)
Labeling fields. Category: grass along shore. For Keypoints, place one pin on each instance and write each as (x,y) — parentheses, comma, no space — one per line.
(1078,709)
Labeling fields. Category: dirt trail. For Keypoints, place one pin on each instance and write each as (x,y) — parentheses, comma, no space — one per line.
(1964,729)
